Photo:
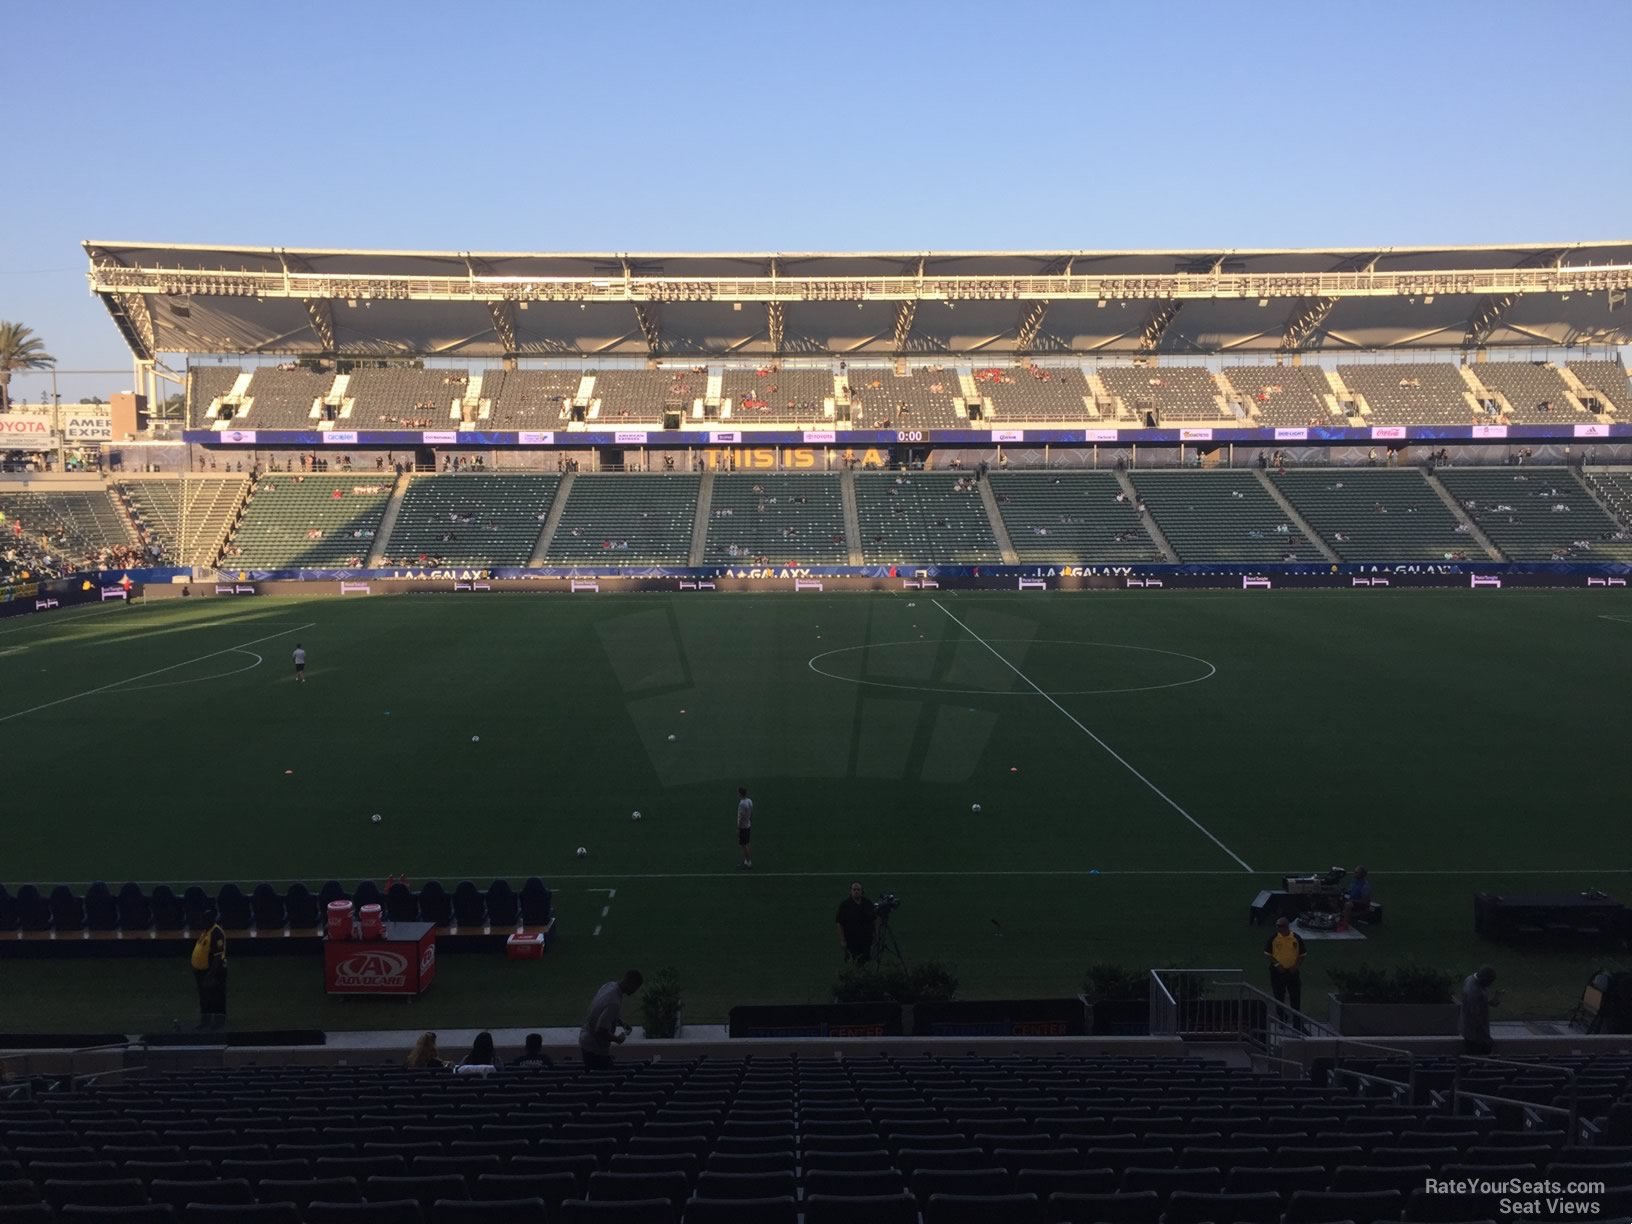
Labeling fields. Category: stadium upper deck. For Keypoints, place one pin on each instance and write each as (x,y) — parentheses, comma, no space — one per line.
(401,304)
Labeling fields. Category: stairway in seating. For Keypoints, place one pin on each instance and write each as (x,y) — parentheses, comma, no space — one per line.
(1463,517)
(852,518)
(557,508)
(699,521)
(1291,512)
(1101,393)
(1000,529)
(1156,534)
(388,522)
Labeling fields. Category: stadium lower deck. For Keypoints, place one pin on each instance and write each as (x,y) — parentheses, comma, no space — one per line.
(277,520)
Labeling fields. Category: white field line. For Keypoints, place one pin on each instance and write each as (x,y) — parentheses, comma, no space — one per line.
(606,909)
(1116,756)
(158,671)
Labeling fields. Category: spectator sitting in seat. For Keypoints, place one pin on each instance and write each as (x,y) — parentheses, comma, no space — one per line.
(424,1054)
(481,1060)
(533,1055)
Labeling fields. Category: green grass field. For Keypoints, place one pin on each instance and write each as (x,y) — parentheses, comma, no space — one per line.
(1144,763)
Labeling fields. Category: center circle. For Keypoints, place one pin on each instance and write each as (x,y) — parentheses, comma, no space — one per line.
(954,667)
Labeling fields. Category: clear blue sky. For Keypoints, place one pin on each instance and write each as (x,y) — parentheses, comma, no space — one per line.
(636,125)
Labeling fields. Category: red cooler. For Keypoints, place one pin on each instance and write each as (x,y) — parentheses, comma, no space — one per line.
(373,922)
(340,919)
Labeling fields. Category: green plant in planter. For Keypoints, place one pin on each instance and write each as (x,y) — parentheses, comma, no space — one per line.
(925,982)
(1404,984)
(1106,982)
(660,1004)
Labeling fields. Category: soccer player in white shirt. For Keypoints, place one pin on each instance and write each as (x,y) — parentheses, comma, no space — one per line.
(300,663)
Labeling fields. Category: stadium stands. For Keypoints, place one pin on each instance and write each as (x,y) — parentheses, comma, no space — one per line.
(1614,488)
(1537,514)
(1609,379)
(920,399)
(1412,393)
(83,528)
(923,517)
(283,399)
(1376,514)
(1536,391)
(778,516)
(212,503)
(643,396)
(786,394)
(1221,516)
(1171,393)
(529,399)
(397,395)
(1289,396)
(311,521)
(862,1140)
(1023,393)
(1071,516)
(626,520)
(471,519)
(206,384)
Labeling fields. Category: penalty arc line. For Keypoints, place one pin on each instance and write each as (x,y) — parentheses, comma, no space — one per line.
(158,671)
(1116,756)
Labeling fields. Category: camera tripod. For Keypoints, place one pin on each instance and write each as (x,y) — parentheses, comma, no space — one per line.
(884,943)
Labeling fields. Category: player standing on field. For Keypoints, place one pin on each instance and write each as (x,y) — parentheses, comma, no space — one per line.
(745,826)
(300,663)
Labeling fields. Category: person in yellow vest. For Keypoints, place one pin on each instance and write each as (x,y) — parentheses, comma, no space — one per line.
(1285,952)
(210,975)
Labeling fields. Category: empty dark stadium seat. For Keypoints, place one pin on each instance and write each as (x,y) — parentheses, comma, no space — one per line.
(423,1190)
(33,910)
(9,914)
(503,907)
(135,913)
(212,1190)
(400,903)
(368,893)
(741,1211)
(130,1213)
(399,1211)
(434,904)
(112,1192)
(232,908)
(469,907)
(1186,1207)
(101,910)
(861,1209)
(332,890)
(507,1211)
(1323,1207)
(67,909)
(268,908)
(646,1211)
(304,1191)
(1113,1208)
(301,907)
(242,1213)
(536,904)
(168,912)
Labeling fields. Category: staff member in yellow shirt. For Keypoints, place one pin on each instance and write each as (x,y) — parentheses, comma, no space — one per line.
(1285,952)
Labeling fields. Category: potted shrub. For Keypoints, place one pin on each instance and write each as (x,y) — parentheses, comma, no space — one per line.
(1117,1000)
(1408,1001)
(660,1005)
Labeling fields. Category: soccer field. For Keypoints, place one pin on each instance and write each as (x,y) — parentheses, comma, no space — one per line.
(1143,763)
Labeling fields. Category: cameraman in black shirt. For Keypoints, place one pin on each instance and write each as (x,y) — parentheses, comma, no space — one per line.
(858,923)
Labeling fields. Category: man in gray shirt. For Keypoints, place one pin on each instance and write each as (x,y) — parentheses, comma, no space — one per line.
(1477,1000)
(604,1026)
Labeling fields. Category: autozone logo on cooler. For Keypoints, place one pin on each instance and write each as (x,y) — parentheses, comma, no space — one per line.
(427,960)
(373,970)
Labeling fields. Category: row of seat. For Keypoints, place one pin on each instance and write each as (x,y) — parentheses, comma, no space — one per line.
(266,908)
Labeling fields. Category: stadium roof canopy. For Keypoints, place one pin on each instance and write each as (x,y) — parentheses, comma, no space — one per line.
(209,300)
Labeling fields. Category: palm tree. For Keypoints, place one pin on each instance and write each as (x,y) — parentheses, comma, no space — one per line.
(20,349)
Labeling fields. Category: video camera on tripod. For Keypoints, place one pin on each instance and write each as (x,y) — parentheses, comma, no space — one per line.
(884,939)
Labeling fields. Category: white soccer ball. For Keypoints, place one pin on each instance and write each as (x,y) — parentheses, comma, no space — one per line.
(634,816)
(975,808)
(582,853)
(671,739)
(475,739)
(375,818)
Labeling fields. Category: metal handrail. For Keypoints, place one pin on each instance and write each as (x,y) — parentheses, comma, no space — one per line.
(1572,1078)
